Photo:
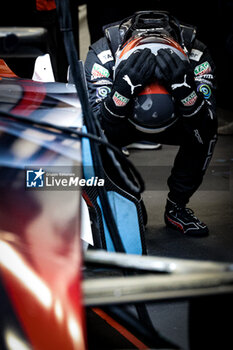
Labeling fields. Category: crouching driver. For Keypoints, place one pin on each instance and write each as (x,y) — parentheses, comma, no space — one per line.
(149,78)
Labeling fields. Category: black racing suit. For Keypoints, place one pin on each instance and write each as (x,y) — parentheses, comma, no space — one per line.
(196,135)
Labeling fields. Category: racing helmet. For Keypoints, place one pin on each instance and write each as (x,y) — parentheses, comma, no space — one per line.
(153,109)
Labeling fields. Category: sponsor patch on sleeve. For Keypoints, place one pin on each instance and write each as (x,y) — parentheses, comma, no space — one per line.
(202,68)
(103,82)
(102,91)
(99,71)
(105,56)
(195,55)
(205,90)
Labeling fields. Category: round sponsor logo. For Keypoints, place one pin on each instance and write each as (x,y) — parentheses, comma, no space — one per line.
(102,91)
(205,90)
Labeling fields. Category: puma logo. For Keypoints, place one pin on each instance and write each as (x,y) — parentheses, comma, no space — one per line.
(175,86)
(127,79)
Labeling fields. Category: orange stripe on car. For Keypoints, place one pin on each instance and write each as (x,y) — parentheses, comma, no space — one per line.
(119,328)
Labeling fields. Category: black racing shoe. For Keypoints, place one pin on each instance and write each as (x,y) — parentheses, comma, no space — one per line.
(183,219)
